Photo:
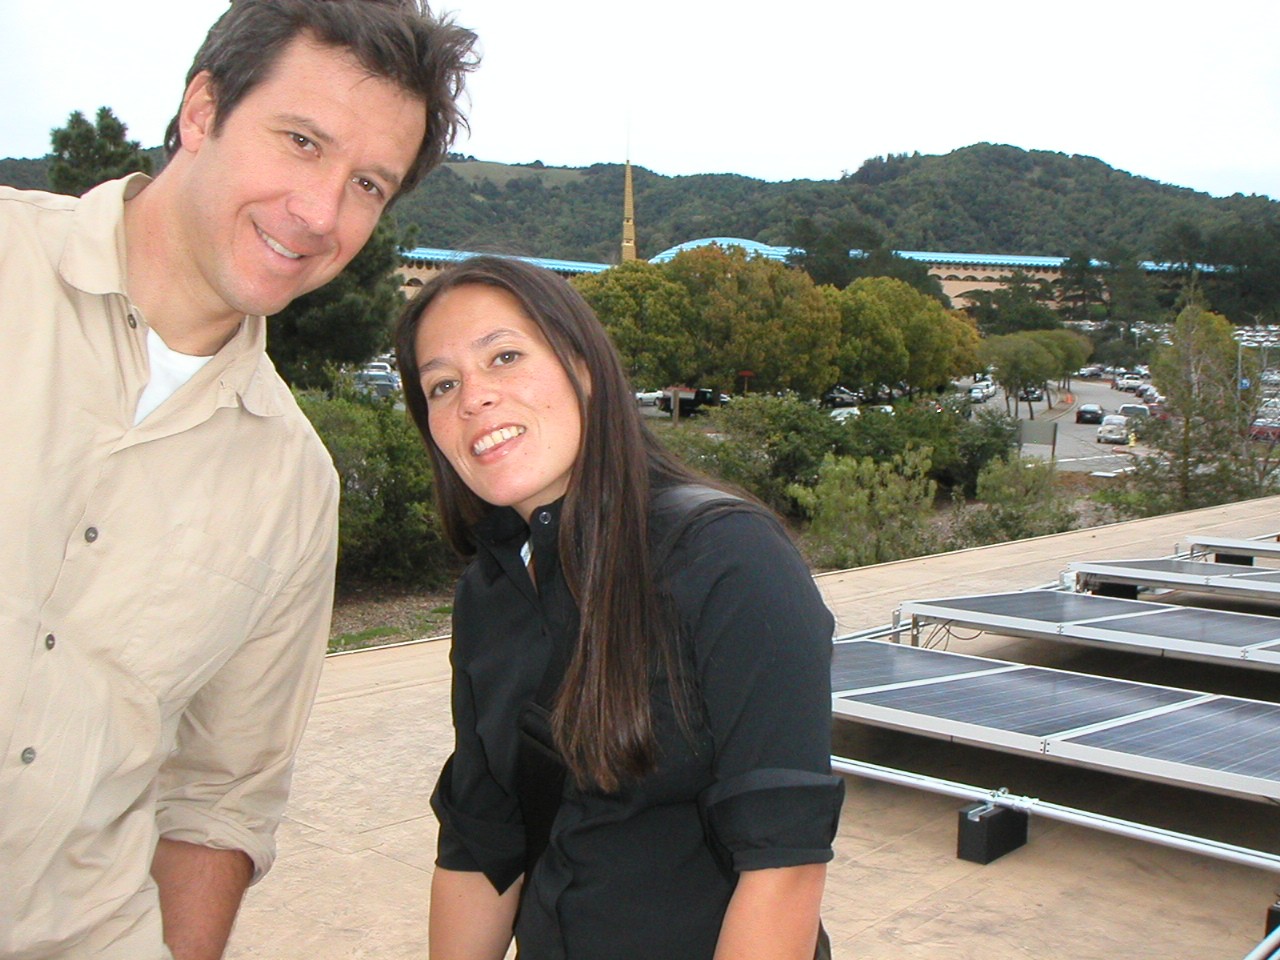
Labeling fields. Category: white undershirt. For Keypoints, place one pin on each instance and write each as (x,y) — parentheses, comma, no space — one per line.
(169,371)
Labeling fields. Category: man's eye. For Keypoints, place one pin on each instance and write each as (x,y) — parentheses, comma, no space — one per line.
(368,186)
(303,141)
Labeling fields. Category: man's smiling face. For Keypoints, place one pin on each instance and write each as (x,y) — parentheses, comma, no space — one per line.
(290,185)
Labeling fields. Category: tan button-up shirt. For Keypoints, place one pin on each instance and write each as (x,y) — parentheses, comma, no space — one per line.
(165,590)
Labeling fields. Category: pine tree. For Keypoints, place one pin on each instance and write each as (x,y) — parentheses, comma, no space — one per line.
(86,154)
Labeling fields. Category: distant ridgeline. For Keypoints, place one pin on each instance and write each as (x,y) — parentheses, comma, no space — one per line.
(987,198)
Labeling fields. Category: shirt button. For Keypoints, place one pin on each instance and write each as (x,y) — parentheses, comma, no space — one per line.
(544,517)
(91,534)
(29,755)
(133,322)
(49,641)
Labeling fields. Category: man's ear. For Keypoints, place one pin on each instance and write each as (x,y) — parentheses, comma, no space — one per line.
(199,108)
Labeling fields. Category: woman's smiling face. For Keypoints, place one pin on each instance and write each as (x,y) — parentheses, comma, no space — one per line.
(500,406)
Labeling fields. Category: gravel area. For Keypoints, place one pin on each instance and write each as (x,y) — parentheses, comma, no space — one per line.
(380,614)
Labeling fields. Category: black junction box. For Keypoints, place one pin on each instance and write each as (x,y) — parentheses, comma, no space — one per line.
(988,832)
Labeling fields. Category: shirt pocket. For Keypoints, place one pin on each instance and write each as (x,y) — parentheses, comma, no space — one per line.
(200,608)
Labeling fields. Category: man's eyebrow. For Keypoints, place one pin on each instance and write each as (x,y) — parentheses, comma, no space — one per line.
(308,126)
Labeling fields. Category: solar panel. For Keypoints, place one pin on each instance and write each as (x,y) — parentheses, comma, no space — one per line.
(1233,546)
(1197,740)
(1165,629)
(1042,605)
(1233,736)
(1192,576)
(1047,702)
(1190,623)
(864,666)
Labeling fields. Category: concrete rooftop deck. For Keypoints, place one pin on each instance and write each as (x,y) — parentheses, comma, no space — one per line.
(356,850)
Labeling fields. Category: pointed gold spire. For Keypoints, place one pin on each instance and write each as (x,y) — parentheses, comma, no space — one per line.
(628,218)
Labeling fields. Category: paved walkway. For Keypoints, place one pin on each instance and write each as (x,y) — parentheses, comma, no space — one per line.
(353,876)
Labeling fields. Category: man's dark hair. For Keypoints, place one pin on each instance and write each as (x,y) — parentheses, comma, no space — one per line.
(396,40)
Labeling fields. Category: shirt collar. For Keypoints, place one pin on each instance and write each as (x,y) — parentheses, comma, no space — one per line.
(93,257)
(93,261)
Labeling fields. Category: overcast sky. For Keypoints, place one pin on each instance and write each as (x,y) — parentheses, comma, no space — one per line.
(1188,94)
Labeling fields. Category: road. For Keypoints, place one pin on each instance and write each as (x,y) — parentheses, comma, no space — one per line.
(1077,446)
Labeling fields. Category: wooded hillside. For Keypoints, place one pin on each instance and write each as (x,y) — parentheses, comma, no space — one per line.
(983,198)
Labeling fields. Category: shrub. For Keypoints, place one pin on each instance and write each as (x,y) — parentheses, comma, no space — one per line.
(388,529)
(1018,500)
(864,511)
(762,443)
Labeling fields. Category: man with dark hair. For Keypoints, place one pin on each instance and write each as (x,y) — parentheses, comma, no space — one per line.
(167,515)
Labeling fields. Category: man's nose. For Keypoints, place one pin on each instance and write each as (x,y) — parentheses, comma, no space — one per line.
(317,201)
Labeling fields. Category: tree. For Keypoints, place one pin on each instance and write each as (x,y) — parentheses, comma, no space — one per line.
(650,318)
(1018,305)
(1018,500)
(938,345)
(347,321)
(1079,287)
(761,443)
(823,252)
(1018,361)
(1069,349)
(872,350)
(867,512)
(1130,294)
(1202,454)
(86,154)
(758,315)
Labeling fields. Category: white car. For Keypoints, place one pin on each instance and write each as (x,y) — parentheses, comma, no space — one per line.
(648,398)
(841,414)
(1113,429)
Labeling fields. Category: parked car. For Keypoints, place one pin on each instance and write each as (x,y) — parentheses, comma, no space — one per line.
(841,397)
(1129,382)
(1031,394)
(648,398)
(1113,429)
(977,395)
(1089,373)
(1265,429)
(692,401)
(377,384)
(1139,410)
(841,414)
(1089,413)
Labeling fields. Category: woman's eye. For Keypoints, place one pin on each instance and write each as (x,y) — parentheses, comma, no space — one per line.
(505,357)
(441,388)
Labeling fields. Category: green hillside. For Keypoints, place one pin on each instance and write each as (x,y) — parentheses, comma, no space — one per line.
(982,198)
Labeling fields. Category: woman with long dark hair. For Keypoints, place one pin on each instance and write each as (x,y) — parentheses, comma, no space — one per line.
(641,690)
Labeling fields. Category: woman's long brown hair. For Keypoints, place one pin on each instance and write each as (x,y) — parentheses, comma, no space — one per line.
(602,720)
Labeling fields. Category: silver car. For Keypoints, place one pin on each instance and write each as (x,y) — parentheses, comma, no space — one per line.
(1113,429)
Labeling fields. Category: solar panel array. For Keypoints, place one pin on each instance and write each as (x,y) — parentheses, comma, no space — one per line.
(1191,576)
(1225,744)
(1165,629)
(1200,740)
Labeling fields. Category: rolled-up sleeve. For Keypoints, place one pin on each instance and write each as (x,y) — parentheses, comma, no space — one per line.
(226,783)
(475,800)
(762,643)
(480,826)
